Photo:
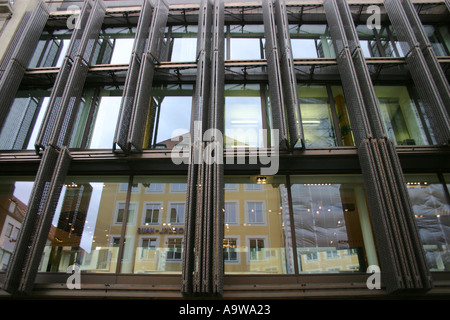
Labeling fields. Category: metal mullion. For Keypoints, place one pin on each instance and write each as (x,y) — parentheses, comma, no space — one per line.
(89,125)
(335,118)
(124,225)
(292,224)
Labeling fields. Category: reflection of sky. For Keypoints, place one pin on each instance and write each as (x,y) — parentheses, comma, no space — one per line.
(303,48)
(105,123)
(91,216)
(184,49)
(22,190)
(175,114)
(245,49)
(122,51)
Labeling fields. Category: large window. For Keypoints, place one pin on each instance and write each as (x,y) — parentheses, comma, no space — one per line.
(244,42)
(324,116)
(170,110)
(96,119)
(247,115)
(257,229)
(15,193)
(439,37)
(311,41)
(114,46)
(155,243)
(403,122)
(332,224)
(431,208)
(21,126)
(180,43)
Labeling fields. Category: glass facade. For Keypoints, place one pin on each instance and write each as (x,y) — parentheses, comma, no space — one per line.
(124,214)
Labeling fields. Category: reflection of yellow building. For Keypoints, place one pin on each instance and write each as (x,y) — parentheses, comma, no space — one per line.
(255,231)
(89,227)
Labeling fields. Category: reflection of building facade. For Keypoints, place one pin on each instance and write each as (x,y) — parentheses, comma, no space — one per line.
(90,117)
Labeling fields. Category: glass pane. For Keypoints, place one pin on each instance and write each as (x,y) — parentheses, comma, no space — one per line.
(332,224)
(257,236)
(14,195)
(379,42)
(400,116)
(96,119)
(154,243)
(246,42)
(86,227)
(114,46)
(311,41)
(24,119)
(173,113)
(342,115)
(316,116)
(439,38)
(180,44)
(51,49)
(431,209)
(243,116)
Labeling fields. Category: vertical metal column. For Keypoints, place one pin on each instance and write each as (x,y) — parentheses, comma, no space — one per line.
(401,254)
(18,55)
(423,66)
(279,116)
(288,77)
(203,254)
(428,53)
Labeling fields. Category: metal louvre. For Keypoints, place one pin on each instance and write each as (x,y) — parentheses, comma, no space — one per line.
(420,72)
(45,220)
(70,101)
(86,28)
(274,70)
(18,55)
(362,72)
(288,77)
(142,99)
(428,52)
(131,82)
(27,233)
(203,258)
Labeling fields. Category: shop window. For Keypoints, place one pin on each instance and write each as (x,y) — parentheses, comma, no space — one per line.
(324,116)
(170,115)
(247,115)
(259,242)
(96,119)
(331,217)
(403,123)
(244,42)
(379,42)
(23,121)
(311,41)
(157,240)
(431,208)
(14,196)
(180,43)
(84,226)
